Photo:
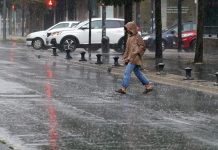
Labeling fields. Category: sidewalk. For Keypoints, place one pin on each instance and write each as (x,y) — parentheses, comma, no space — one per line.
(14,38)
(175,63)
(174,73)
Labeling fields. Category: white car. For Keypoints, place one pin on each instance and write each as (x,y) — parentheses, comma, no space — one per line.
(78,37)
(38,39)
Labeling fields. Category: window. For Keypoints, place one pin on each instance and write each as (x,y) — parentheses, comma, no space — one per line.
(114,24)
(97,24)
(61,25)
(186,27)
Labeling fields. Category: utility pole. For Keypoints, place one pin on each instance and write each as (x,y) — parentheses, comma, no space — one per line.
(179,25)
(4,20)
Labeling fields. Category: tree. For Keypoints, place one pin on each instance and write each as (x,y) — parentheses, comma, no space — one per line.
(200,30)
(158,24)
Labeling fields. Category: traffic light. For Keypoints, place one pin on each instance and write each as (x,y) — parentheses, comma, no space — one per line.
(51,4)
(13,7)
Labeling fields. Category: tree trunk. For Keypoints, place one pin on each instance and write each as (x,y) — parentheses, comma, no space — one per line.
(158,25)
(200,30)
(179,3)
(128,11)
(127,17)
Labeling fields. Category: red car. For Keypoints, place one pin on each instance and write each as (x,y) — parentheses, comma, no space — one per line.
(189,40)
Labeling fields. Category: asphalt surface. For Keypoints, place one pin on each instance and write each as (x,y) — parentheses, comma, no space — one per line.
(49,102)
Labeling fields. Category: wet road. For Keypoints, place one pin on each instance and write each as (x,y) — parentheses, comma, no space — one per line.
(49,103)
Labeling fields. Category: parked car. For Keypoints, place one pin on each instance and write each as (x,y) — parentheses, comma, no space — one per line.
(78,37)
(170,37)
(38,39)
(189,40)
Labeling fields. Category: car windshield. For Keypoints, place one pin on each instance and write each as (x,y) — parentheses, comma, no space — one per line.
(60,25)
(74,25)
(185,27)
(80,24)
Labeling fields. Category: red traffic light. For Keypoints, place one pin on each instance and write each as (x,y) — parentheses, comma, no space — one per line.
(51,4)
(13,7)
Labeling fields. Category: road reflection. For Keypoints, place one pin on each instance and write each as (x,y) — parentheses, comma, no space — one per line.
(53,135)
(11,55)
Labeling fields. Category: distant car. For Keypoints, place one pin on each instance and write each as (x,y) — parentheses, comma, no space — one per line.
(38,39)
(189,40)
(170,37)
(78,37)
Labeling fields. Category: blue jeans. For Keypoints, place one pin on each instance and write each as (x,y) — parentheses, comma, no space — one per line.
(127,75)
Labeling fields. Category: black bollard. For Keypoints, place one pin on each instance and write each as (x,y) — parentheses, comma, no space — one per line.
(54,49)
(99,61)
(216,83)
(83,56)
(116,63)
(68,56)
(160,68)
(188,73)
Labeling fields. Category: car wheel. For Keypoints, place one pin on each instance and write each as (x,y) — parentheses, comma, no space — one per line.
(120,46)
(69,43)
(37,43)
(193,45)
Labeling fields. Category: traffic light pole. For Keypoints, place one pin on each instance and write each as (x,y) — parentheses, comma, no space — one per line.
(4,20)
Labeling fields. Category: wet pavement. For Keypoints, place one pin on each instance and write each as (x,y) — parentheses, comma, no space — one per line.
(175,63)
(50,103)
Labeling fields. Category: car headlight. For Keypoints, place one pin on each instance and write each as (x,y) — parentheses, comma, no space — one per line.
(55,33)
(186,35)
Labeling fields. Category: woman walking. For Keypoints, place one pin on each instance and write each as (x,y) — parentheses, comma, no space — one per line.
(132,57)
